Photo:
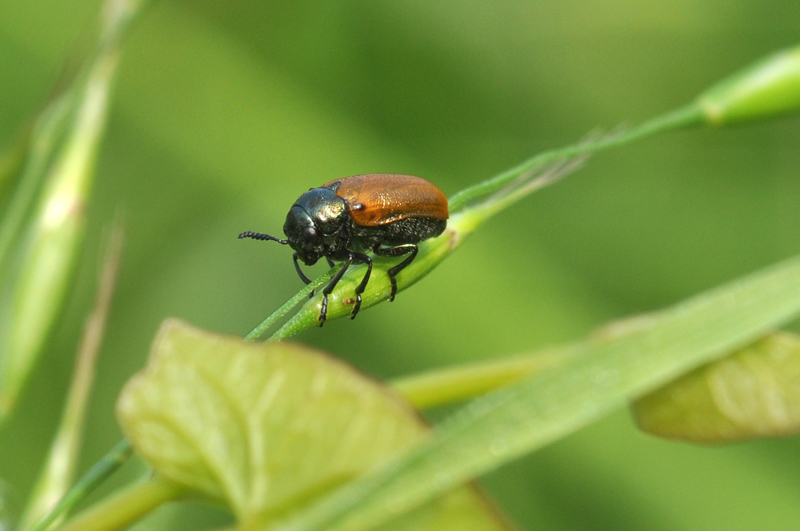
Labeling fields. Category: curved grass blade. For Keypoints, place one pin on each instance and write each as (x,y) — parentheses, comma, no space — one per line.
(601,376)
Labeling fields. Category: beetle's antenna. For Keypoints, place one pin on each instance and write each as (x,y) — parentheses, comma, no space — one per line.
(259,236)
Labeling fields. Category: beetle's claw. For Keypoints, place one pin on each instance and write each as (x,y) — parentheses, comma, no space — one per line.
(356,307)
(394,289)
(323,311)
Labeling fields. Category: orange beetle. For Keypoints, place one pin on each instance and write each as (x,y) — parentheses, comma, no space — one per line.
(344,219)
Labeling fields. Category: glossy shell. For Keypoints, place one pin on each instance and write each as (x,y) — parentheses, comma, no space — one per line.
(382,198)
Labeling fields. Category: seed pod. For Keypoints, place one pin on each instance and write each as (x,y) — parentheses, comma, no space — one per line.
(769,88)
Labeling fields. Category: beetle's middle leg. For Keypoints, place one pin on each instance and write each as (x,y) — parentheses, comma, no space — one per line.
(409,248)
(330,264)
(360,258)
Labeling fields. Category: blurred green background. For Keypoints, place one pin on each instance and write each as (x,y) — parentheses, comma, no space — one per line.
(226,111)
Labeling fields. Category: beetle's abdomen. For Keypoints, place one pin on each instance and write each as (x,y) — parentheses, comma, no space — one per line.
(383,198)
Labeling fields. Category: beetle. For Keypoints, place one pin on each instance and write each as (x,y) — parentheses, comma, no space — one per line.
(344,219)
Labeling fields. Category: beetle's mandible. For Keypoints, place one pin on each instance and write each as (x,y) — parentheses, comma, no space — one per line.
(343,220)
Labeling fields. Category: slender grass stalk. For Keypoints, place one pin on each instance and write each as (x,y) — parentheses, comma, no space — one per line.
(59,469)
(125,507)
(685,117)
(287,306)
(463,382)
(101,471)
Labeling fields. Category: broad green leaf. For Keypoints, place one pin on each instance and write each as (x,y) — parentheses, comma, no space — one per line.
(600,377)
(269,428)
(753,393)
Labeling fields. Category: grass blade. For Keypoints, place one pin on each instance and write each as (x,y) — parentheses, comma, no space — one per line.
(601,377)
(109,464)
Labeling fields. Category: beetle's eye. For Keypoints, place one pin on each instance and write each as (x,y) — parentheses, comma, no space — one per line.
(309,233)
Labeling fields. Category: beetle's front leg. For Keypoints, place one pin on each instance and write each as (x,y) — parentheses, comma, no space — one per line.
(323,312)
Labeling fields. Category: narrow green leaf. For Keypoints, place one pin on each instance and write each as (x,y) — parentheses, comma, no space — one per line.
(45,247)
(12,160)
(601,376)
(751,394)
(269,428)
(37,153)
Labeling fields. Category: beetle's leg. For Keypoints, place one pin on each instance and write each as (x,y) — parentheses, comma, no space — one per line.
(398,250)
(361,258)
(303,277)
(330,264)
(323,312)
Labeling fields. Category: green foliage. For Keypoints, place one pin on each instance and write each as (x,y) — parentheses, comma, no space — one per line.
(225,115)
(269,429)
(42,230)
(599,377)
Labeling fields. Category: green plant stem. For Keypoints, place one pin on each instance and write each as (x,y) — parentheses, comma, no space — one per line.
(287,306)
(684,117)
(456,384)
(94,477)
(126,507)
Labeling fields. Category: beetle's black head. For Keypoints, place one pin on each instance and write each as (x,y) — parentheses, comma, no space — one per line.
(314,224)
